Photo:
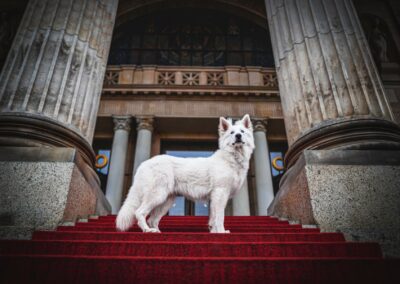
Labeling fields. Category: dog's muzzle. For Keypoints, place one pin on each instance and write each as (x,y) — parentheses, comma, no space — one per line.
(238,139)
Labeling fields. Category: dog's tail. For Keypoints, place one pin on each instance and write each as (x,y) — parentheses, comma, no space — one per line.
(126,215)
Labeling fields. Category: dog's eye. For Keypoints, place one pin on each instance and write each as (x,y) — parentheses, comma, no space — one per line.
(232,132)
(242,130)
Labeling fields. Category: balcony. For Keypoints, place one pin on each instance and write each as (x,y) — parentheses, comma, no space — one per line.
(173,80)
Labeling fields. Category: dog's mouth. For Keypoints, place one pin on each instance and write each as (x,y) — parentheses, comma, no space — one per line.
(238,142)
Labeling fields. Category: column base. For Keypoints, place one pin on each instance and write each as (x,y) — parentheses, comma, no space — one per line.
(355,192)
(33,130)
(347,134)
(44,187)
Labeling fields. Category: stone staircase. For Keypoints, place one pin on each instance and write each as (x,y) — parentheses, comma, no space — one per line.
(258,250)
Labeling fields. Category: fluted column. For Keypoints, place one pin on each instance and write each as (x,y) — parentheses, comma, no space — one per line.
(331,93)
(116,174)
(143,142)
(51,82)
(264,185)
(240,202)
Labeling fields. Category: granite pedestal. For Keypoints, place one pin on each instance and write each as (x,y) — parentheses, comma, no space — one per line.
(356,192)
(42,187)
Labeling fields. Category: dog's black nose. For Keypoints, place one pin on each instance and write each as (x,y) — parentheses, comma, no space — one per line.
(238,136)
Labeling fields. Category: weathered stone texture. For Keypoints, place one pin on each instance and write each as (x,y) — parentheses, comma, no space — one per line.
(43,187)
(56,64)
(353,192)
(324,65)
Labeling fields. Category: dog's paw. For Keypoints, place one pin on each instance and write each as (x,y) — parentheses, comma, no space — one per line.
(151,230)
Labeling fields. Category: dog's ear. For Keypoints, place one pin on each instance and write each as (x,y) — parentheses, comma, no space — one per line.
(247,122)
(224,124)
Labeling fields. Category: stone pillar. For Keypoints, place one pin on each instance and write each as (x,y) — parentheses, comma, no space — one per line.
(51,82)
(240,202)
(50,88)
(116,173)
(143,142)
(330,89)
(264,185)
(333,100)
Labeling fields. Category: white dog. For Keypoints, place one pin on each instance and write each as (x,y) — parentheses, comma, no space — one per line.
(216,178)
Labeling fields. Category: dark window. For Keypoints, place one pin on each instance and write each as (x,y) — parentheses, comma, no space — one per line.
(192,38)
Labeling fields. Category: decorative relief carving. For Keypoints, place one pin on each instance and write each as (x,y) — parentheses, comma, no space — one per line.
(191,78)
(123,123)
(260,125)
(145,123)
(270,80)
(166,78)
(215,78)
(111,78)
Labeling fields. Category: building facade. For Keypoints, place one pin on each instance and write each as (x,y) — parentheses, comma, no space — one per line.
(90,89)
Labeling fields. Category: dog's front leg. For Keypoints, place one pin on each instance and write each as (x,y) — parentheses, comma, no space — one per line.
(218,200)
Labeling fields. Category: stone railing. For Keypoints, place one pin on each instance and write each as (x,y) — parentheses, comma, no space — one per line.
(131,79)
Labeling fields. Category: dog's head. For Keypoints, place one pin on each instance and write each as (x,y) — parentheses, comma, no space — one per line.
(236,136)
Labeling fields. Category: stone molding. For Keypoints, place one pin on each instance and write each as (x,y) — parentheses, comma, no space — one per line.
(122,123)
(190,80)
(260,125)
(145,123)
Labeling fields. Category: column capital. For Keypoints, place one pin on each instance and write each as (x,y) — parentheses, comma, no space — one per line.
(122,122)
(260,125)
(145,123)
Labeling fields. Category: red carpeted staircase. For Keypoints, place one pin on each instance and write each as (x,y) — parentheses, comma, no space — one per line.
(258,250)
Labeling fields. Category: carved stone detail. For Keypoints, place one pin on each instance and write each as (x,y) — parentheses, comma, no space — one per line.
(122,122)
(145,123)
(166,78)
(111,78)
(260,125)
(191,79)
(215,79)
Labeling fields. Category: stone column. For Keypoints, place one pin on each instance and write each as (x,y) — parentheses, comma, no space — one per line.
(337,119)
(330,89)
(240,202)
(143,142)
(50,88)
(264,185)
(51,82)
(116,173)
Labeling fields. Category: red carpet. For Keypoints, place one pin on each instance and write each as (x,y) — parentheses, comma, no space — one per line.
(258,250)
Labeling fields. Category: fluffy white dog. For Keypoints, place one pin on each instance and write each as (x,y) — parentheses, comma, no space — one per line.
(216,178)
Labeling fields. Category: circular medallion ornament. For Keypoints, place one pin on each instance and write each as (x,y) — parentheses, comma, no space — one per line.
(104,161)
(275,163)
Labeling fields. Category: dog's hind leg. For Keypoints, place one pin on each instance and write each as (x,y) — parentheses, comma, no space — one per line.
(159,212)
(150,201)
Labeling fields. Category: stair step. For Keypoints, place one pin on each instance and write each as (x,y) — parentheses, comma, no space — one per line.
(95,269)
(190,237)
(194,249)
(191,229)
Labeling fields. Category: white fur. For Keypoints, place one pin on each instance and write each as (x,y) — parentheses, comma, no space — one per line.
(216,178)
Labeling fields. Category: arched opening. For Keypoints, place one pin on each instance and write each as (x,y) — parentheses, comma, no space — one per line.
(185,63)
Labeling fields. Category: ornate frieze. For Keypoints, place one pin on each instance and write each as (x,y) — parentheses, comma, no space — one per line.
(133,79)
